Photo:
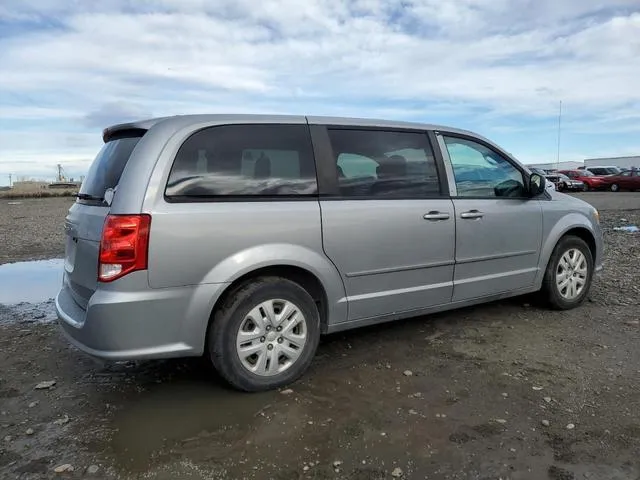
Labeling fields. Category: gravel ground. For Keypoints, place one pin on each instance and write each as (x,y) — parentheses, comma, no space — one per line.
(31,228)
(505,390)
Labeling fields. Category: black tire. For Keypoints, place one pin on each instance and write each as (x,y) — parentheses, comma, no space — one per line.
(228,319)
(614,187)
(585,188)
(549,291)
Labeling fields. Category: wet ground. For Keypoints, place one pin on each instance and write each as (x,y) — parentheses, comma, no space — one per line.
(30,282)
(507,390)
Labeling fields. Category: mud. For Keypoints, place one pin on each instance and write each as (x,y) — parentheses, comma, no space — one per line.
(482,382)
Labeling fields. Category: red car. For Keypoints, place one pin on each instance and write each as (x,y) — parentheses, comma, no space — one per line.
(591,181)
(629,180)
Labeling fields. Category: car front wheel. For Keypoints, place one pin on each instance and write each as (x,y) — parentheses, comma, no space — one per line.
(265,334)
(615,187)
(569,273)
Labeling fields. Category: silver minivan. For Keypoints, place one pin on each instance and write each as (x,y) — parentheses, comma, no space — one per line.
(244,238)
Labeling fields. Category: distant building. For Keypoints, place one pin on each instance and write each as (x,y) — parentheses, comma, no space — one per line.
(28,186)
(557,165)
(623,162)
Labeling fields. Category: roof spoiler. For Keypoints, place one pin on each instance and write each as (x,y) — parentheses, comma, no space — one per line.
(131,129)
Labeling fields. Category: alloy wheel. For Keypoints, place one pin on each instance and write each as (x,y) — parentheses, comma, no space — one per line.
(571,274)
(271,337)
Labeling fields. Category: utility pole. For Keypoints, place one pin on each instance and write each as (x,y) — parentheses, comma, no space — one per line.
(10,182)
(559,127)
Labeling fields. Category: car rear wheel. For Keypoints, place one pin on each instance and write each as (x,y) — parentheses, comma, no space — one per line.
(615,187)
(569,274)
(265,334)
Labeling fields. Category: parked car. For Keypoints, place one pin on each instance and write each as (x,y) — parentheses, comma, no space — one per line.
(562,183)
(604,171)
(244,238)
(589,180)
(627,180)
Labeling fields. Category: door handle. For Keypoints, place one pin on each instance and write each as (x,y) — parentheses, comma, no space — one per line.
(471,214)
(434,216)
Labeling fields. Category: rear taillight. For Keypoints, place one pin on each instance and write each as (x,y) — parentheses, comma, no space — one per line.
(124,246)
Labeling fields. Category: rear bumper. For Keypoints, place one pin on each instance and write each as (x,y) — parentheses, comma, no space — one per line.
(134,325)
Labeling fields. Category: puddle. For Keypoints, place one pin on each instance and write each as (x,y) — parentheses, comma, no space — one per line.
(30,282)
(176,413)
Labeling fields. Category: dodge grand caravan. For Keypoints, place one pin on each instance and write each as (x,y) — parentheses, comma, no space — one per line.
(244,238)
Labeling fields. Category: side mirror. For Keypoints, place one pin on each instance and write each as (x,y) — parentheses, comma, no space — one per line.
(536,184)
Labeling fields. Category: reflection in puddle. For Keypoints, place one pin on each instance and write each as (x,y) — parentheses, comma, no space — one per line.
(175,412)
(30,282)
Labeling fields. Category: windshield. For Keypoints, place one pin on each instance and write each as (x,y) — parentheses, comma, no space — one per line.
(107,167)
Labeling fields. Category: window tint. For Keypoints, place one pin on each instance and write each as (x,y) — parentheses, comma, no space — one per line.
(244,160)
(377,163)
(481,172)
(106,169)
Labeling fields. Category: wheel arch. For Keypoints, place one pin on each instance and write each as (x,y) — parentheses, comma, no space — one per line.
(575,225)
(311,270)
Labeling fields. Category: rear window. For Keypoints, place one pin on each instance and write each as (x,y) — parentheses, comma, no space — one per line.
(246,161)
(106,169)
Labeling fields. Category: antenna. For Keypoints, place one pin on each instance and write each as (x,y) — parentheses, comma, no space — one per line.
(559,127)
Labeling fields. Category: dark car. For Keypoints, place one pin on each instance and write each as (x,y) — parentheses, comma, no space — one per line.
(629,180)
(590,181)
(564,183)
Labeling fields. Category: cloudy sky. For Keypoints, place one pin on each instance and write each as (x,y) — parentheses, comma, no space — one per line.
(68,68)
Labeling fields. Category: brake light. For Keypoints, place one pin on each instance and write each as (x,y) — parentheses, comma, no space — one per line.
(124,246)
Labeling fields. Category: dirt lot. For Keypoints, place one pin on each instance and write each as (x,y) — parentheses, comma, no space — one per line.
(31,228)
(507,390)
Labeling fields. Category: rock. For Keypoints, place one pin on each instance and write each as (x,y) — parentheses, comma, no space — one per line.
(570,426)
(310,422)
(61,421)
(67,467)
(93,469)
(505,394)
(305,468)
(337,463)
(632,323)
(287,391)
(8,438)
(29,431)
(501,420)
(412,412)
(537,389)
(512,450)
(545,423)
(397,473)
(45,385)
(407,373)
(33,404)
(547,399)
(384,434)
